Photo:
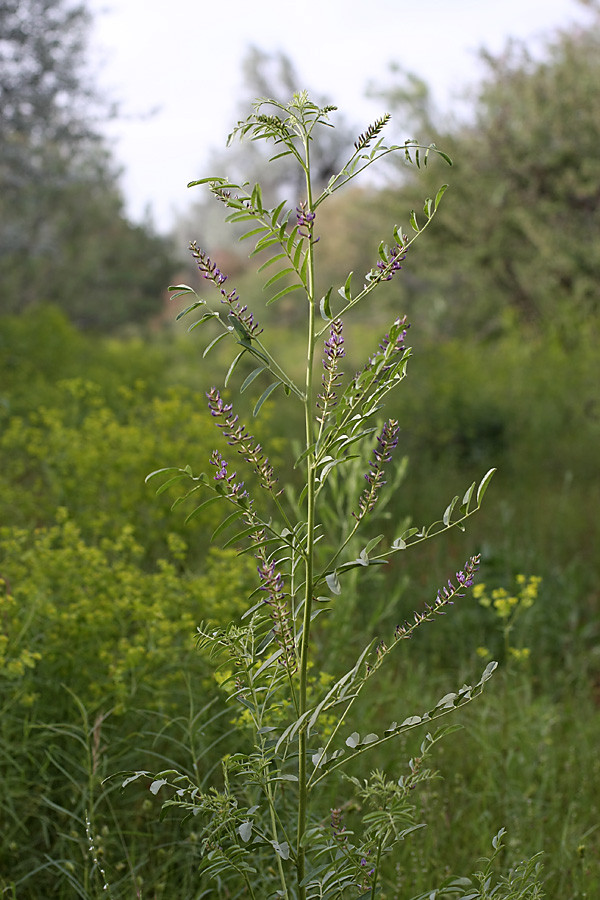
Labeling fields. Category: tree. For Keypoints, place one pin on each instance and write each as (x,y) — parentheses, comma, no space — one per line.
(63,235)
(516,238)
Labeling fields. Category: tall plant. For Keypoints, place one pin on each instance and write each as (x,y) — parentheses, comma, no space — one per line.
(263,826)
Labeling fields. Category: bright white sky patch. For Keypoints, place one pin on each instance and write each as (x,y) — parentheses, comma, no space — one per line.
(182,58)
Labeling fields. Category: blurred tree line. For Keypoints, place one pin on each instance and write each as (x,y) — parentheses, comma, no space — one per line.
(64,237)
(514,244)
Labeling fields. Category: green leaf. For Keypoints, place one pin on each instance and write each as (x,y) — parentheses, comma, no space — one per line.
(448,513)
(263,244)
(256,198)
(212,179)
(202,319)
(440,194)
(488,672)
(225,523)
(466,500)
(413,221)
(202,506)
(264,396)
(179,500)
(233,367)
(302,456)
(247,344)
(330,463)
(346,290)
(160,472)
(400,543)
(240,536)
(250,378)
(325,306)
(279,155)
(240,328)
(214,342)
(282,849)
(277,276)
(373,543)
(156,785)
(169,482)
(253,232)
(134,777)
(319,758)
(242,214)
(355,437)
(333,583)
(277,212)
(484,486)
(291,239)
(287,290)
(271,260)
(182,289)
(353,740)
(447,701)
(304,269)
(411,721)
(298,253)
(245,831)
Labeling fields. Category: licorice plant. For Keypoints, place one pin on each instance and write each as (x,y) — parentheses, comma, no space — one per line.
(260,821)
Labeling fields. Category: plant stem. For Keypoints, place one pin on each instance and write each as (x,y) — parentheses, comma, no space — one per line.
(310,538)
(376,867)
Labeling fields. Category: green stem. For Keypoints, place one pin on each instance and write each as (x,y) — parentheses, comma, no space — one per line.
(282,878)
(310,539)
(377,863)
(277,371)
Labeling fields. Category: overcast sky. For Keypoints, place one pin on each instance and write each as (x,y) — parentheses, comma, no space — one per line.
(181,59)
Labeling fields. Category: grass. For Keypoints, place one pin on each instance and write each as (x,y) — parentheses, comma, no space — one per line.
(116,688)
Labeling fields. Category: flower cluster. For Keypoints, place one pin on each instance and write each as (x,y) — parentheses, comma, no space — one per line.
(305,218)
(234,490)
(445,597)
(272,584)
(391,345)
(334,351)
(387,268)
(386,442)
(506,604)
(238,437)
(364,139)
(213,274)
(337,825)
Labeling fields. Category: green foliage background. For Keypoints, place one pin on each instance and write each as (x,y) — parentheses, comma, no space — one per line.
(101,586)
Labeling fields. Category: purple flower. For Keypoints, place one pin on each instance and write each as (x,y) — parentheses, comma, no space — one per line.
(386,269)
(334,351)
(272,585)
(237,435)
(305,218)
(382,453)
(235,490)
(390,347)
(213,274)
(445,597)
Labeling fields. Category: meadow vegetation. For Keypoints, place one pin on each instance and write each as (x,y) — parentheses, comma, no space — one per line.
(102,586)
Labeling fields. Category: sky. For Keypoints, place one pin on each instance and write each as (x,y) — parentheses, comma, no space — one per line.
(175,68)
